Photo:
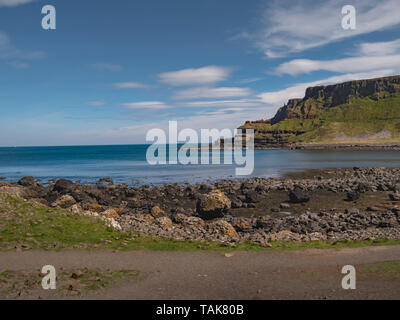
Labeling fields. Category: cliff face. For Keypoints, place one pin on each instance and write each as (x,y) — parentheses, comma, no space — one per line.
(352,109)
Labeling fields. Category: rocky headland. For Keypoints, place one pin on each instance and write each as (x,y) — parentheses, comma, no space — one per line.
(337,204)
(354,114)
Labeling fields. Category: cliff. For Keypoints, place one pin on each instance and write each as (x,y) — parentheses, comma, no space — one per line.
(362,112)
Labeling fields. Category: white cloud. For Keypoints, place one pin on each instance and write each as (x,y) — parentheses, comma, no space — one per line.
(18,65)
(213,93)
(9,51)
(96,103)
(200,76)
(379,48)
(107,66)
(156,105)
(356,64)
(247,103)
(13,3)
(129,85)
(293,26)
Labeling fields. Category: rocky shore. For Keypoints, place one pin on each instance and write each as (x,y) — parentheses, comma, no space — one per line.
(338,204)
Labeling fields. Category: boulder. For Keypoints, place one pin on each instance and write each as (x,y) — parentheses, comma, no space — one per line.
(352,196)
(213,205)
(164,222)
(298,196)
(27,182)
(65,201)
(64,186)
(253,197)
(156,211)
(394,196)
(223,228)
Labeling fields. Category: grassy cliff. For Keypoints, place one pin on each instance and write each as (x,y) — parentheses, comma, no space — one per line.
(365,111)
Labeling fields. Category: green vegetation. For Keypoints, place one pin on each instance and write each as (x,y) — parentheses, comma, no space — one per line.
(359,119)
(29,225)
(71,282)
(387,270)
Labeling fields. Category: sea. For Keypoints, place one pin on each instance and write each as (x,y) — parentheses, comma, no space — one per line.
(128,164)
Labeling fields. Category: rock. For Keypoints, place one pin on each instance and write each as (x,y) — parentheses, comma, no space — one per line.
(373,209)
(284,206)
(145,217)
(224,228)
(241,224)
(352,196)
(164,222)
(111,213)
(156,211)
(352,211)
(94,207)
(253,197)
(107,180)
(298,196)
(236,203)
(64,186)
(76,209)
(64,201)
(394,196)
(213,205)
(27,182)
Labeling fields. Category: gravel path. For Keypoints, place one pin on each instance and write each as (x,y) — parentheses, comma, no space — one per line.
(309,274)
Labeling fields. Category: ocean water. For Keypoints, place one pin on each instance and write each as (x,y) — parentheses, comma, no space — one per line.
(127,164)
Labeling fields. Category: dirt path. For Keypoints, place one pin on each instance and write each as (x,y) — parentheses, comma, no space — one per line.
(310,274)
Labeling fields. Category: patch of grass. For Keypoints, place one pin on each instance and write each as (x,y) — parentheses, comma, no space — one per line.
(29,225)
(387,270)
(71,282)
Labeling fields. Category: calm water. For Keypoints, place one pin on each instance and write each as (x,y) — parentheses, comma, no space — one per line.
(128,164)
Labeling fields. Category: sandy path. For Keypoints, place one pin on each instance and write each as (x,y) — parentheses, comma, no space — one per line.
(208,275)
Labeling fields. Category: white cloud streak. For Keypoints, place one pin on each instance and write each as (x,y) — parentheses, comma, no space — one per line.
(356,64)
(129,85)
(155,105)
(13,3)
(293,26)
(200,76)
(213,93)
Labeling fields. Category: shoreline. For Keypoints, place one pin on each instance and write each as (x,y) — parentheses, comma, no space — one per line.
(315,205)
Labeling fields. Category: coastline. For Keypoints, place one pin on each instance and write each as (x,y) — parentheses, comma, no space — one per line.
(356,204)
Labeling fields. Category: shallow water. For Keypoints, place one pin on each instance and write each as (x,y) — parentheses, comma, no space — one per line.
(128,164)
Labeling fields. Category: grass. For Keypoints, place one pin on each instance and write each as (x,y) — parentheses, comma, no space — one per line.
(29,225)
(361,116)
(71,282)
(387,270)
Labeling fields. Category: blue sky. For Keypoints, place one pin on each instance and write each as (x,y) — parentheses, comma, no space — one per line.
(112,70)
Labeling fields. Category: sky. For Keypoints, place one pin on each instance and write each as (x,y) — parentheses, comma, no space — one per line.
(113,70)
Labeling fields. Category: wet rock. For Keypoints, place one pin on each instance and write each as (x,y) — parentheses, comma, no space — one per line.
(352,196)
(394,196)
(213,205)
(27,182)
(298,196)
(64,186)
(253,197)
